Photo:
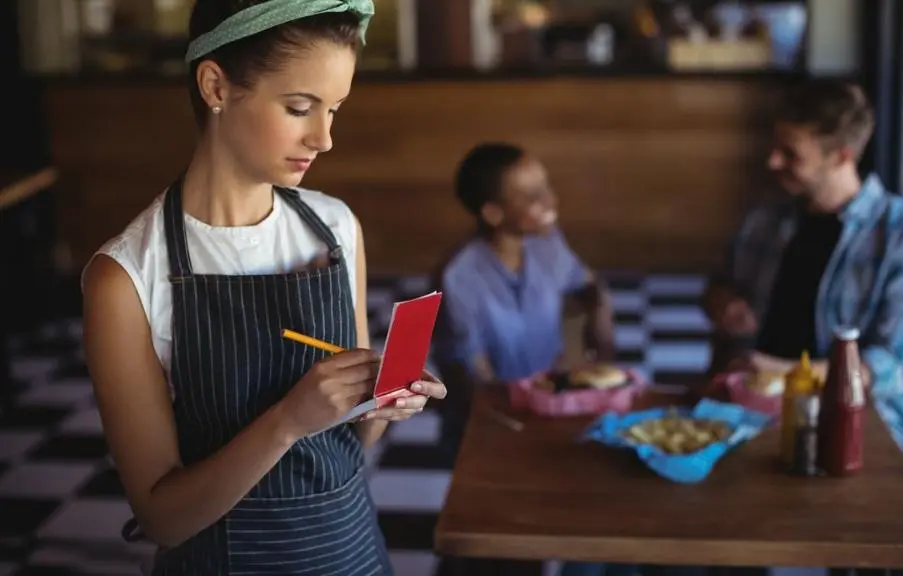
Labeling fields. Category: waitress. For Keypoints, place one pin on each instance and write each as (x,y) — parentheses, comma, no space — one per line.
(216,423)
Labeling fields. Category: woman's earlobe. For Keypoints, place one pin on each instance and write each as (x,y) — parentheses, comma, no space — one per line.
(210,85)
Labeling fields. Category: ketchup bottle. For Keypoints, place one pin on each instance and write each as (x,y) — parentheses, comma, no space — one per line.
(842,406)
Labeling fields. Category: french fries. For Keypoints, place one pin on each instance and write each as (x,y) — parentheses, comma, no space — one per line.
(675,434)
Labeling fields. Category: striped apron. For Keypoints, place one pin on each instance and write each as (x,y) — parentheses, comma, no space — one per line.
(312,513)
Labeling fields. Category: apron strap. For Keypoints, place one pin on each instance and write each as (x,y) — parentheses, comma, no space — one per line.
(177,243)
(174,224)
(309,217)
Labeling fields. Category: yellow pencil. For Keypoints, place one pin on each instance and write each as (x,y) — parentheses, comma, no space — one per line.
(302,339)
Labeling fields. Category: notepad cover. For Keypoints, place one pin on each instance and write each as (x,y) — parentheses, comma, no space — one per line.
(405,354)
(407,345)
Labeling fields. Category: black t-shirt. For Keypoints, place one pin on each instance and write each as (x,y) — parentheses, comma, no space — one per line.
(789,324)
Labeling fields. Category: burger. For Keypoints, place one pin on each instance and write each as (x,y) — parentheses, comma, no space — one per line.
(600,377)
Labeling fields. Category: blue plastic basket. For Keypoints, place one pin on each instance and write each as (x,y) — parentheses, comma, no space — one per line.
(684,468)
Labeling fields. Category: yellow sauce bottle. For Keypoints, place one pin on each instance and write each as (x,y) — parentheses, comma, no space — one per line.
(798,382)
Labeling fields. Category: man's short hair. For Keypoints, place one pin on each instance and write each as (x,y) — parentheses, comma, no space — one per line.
(839,113)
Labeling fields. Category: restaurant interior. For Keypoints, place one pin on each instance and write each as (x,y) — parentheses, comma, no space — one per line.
(652,119)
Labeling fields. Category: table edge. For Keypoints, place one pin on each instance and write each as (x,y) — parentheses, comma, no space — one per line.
(667,551)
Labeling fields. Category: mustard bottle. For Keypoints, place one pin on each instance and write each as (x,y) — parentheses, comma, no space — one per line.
(798,382)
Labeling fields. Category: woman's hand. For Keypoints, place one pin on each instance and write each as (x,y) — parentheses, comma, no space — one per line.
(404,408)
(331,388)
(754,361)
(735,317)
(598,337)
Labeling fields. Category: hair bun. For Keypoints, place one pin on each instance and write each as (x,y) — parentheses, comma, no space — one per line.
(208,14)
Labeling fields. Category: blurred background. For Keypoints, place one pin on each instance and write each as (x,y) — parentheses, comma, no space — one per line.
(651,115)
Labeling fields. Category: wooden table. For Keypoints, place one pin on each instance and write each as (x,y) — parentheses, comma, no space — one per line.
(538,494)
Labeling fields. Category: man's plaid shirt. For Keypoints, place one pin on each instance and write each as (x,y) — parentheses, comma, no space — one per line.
(862,285)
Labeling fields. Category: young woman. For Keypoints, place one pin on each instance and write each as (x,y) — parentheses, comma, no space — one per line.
(504,290)
(211,417)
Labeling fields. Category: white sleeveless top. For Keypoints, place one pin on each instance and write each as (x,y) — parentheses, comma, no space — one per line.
(280,244)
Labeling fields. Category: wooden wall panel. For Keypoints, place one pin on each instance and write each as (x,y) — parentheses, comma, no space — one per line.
(652,173)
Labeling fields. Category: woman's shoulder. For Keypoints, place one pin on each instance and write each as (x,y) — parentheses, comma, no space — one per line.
(142,239)
(335,213)
(139,248)
(464,264)
(332,210)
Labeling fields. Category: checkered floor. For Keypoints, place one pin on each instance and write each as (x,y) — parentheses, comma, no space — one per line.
(62,506)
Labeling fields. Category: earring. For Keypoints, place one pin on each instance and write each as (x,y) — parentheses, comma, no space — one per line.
(216,109)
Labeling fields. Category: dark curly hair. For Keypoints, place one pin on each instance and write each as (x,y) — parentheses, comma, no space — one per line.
(245,60)
(479,177)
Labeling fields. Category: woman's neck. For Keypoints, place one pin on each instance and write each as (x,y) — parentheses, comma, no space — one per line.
(509,248)
(216,191)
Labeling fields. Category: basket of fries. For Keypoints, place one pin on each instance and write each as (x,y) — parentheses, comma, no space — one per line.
(680,444)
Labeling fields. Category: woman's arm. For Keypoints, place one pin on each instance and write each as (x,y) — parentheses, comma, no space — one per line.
(599,332)
(578,281)
(371,430)
(460,353)
(171,502)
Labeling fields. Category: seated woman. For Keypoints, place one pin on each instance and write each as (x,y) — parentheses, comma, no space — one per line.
(504,290)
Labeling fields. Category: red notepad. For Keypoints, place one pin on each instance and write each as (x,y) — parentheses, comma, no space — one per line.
(404,356)
(407,345)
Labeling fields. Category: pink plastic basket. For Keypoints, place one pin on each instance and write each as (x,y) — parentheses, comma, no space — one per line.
(524,395)
(740,393)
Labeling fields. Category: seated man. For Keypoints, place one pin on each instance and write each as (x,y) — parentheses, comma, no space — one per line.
(829,254)
(504,290)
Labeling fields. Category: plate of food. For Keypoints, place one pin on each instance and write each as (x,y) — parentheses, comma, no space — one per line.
(590,389)
(760,391)
(680,444)
(595,377)
(675,433)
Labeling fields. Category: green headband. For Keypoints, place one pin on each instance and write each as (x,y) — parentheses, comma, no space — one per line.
(259,17)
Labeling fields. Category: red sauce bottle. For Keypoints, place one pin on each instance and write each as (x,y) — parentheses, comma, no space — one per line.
(840,451)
